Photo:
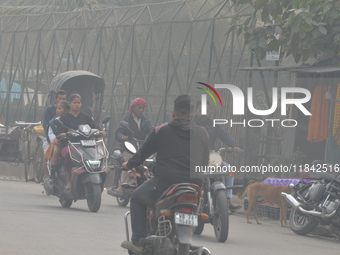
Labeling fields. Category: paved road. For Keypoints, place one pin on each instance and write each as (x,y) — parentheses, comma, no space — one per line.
(33,223)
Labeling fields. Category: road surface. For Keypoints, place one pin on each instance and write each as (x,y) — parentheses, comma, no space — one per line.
(33,223)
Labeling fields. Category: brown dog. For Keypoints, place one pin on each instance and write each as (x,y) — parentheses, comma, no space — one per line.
(258,191)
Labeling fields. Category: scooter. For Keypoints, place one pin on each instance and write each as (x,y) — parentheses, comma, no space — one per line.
(171,219)
(89,155)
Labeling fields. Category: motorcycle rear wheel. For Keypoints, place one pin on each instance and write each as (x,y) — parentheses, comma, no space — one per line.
(122,201)
(94,196)
(221,216)
(300,223)
(199,229)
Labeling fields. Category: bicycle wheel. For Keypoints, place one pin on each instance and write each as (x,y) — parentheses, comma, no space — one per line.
(24,157)
(27,162)
(38,163)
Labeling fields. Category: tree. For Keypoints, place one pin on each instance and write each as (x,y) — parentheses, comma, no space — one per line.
(307,28)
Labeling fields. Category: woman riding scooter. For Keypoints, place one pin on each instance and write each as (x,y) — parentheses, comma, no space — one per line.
(72,120)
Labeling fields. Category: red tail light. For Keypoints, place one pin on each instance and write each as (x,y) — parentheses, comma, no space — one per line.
(186,210)
(187,198)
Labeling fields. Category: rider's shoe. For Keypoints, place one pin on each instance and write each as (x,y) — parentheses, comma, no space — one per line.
(114,193)
(48,186)
(52,179)
(68,186)
(131,247)
(46,191)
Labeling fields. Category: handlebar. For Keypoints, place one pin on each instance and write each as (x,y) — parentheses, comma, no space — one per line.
(228,149)
(20,123)
(139,169)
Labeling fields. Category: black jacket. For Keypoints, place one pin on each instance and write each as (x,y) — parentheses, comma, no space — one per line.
(181,145)
(215,132)
(146,128)
(72,122)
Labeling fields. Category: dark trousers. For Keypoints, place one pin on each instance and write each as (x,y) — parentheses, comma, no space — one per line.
(144,195)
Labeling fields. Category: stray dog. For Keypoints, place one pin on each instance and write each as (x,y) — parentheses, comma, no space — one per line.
(259,191)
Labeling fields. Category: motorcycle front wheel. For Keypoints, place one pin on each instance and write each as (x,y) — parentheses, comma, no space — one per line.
(94,197)
(300,223)
(221,216)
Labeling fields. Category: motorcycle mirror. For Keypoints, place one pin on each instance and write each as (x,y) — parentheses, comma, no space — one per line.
(130,147)
(106,119)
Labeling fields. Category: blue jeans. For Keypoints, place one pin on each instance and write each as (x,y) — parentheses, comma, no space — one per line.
(229,181)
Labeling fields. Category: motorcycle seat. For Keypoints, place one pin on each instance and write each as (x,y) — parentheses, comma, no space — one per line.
(177,187)
(326,176)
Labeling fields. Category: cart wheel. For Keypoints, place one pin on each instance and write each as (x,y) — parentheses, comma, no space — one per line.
(38,163)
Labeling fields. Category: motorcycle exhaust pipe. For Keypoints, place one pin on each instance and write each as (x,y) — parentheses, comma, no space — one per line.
(291,200)
(201,251)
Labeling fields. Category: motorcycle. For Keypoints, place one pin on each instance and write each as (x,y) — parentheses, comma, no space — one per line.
(314,202)
(135,179)
(140,176)
(89,155)
(215,203)
(170,221)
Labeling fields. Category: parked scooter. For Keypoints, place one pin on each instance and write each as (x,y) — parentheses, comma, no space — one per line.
(89,154)
(215,203)
(317,201)
(171,219)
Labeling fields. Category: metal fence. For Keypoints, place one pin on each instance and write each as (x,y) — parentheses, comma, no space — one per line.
(154,51)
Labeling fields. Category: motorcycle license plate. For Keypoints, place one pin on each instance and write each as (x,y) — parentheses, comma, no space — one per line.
(186,219)
(88,142)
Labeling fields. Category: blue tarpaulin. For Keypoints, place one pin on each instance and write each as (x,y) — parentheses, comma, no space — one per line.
(15,91)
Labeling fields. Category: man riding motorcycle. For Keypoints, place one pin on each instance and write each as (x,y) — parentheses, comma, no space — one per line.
(214,132)
(141,127)
(180,145)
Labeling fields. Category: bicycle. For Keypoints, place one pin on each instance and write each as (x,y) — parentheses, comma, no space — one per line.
(25,146)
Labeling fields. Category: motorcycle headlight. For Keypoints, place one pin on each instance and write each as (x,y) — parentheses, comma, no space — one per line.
(85,129)
(94,164)
(215,159)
